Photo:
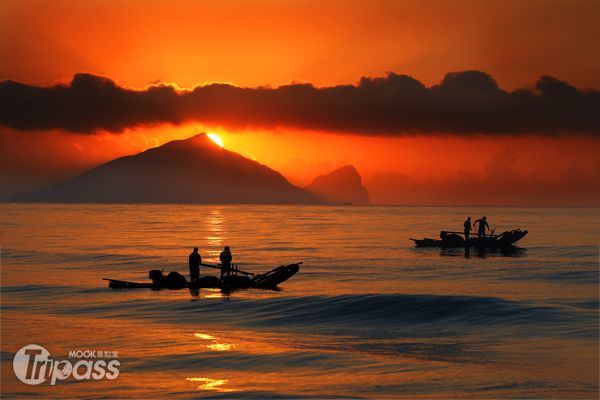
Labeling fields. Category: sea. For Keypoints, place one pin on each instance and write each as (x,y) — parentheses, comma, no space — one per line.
(368,315)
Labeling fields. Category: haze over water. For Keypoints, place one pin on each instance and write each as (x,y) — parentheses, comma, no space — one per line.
(368,315)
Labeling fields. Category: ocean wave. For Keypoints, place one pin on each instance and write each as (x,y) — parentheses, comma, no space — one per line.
(574,276)
(570,252)
(377,315)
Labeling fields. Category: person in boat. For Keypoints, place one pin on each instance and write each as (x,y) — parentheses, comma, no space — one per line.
(225,258)
(467,226)
(482,225)
(195,261)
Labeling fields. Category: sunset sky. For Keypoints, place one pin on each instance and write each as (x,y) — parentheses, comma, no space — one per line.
(434,102)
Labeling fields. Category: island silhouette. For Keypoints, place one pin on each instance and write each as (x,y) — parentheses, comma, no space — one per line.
(342,186)
(193,170)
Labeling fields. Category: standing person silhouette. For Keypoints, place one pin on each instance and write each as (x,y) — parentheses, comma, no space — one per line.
(467,225)
(482,226)
(225,258)
(195,261)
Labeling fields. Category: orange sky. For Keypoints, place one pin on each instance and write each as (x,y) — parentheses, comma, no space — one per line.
(252,43)
(270,42)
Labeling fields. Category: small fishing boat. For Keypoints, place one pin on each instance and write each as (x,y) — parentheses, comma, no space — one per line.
(454,239)
(238,280)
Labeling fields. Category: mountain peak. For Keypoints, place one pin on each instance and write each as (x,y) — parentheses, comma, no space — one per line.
(344,185)
(200,139)
(192,170)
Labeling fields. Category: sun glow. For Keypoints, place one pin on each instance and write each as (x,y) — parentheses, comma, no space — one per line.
(215,138)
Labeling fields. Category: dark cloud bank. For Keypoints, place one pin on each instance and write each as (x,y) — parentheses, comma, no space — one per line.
(468,102)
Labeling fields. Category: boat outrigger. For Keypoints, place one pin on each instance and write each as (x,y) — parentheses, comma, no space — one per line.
(238,279)
(454,239)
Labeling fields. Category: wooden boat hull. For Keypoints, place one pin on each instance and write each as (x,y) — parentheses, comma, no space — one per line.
(268,280)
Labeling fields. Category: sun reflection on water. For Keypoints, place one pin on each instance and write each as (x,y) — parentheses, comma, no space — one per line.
(215,345)
(220,347)
(211,384)
(214,295)
(215,222)
(204,336)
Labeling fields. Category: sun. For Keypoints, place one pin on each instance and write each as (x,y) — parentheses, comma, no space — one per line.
(215,138)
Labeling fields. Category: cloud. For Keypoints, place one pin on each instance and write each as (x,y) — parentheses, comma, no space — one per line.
(467,102)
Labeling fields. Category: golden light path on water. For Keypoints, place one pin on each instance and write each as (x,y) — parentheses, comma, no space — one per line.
(204,336)
(220,347)
(214,226)
(216,345)
(215,294)
(211,384)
